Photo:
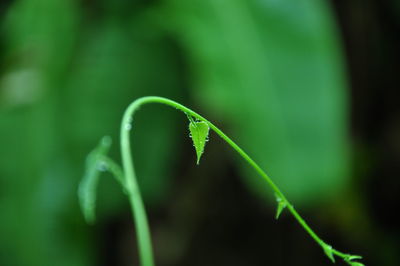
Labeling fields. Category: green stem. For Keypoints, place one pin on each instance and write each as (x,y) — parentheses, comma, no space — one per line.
(114,169)
(139,213)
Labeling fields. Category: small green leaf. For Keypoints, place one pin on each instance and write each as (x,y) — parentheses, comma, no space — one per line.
(281,206)
(353,257)
(199,134)
(328,252)
(350,261)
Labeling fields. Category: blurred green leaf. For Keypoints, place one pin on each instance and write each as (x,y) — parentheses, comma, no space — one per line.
(274,70)
(88,187)
(68,74)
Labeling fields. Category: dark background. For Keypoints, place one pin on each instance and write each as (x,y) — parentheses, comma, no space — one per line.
(310,90)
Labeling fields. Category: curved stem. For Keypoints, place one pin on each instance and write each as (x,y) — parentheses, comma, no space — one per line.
(139,214)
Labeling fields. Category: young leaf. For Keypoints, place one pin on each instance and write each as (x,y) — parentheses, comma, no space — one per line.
(88,185)
(328,252)
(355,263)
(199,134)
(281,206)
(353,257)
(350,261)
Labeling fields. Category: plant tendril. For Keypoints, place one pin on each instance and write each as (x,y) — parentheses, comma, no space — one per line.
(138,211)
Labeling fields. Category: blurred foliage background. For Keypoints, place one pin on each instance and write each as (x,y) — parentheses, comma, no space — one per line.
(309,89)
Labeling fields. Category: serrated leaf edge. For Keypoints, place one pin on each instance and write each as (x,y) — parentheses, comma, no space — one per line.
(199,149)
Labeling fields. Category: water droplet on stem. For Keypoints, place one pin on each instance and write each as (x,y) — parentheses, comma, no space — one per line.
(102,166)
(128,126)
